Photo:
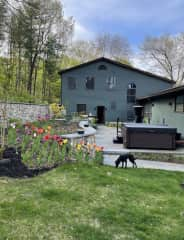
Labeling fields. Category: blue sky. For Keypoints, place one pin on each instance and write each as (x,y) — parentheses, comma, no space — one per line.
(133,19)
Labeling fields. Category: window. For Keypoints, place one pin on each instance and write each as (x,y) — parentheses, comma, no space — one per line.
(111,81)
(90,83)
(179,104)
(130,115)
(71,83)
(81,108)
(102,67)
(130,99)
(131,93)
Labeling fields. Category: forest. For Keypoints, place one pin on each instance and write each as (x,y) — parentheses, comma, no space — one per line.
(34,37)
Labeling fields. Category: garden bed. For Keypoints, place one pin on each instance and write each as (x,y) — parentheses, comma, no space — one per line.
(63,127)
(40,146)
(41,143)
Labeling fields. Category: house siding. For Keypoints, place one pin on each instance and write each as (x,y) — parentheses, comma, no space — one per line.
(163,111)
(101,95)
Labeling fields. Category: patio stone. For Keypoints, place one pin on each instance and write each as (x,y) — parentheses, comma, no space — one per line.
(104,137)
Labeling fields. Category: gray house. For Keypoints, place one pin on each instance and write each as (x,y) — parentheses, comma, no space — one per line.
(166,107)
(107,89)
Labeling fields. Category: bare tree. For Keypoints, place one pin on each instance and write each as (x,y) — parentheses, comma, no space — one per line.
(83,51)
(113,46)
(104,45)
(165,54)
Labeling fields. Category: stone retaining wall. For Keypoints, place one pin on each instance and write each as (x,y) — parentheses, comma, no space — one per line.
(24,111)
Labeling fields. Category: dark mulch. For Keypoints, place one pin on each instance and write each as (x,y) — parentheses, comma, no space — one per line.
(12,166)
(16,169)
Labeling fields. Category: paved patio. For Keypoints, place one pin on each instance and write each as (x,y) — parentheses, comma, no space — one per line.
(104,137)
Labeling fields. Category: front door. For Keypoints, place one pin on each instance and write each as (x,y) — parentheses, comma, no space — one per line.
(100,114)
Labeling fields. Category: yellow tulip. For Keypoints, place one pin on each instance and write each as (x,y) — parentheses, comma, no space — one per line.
(49,128)
(79,146)
(65,141)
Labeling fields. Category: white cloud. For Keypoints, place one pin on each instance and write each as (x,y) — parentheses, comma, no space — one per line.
(125,17)
(162,11)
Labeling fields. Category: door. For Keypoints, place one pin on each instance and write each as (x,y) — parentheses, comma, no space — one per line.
(100,114)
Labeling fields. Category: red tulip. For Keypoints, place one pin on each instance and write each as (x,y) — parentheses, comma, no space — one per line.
(46,137)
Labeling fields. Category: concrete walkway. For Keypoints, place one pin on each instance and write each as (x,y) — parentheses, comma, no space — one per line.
(104,137)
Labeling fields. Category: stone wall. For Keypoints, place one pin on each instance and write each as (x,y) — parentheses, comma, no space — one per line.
(24,111)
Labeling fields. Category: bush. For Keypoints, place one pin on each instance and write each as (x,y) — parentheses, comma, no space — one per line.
(57,110)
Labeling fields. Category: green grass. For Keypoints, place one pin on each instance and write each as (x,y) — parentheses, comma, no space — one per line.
(86,202)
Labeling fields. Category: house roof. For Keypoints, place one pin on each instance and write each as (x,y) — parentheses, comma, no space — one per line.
(119,65)
(165,93)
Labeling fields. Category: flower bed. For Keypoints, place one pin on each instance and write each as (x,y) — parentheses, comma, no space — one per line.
(43,147)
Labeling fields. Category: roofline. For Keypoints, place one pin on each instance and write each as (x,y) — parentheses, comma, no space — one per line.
(117,64)
(164,93)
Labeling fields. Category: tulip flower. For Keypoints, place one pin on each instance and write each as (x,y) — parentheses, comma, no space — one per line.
(79,146)
(60,143)
(65,141)
(13,125)
(40,130)
(46,137)
(98,149)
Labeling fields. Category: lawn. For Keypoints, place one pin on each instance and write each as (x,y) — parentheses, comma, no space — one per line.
(88,202)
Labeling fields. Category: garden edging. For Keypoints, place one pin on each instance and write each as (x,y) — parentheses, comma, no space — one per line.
(89,132)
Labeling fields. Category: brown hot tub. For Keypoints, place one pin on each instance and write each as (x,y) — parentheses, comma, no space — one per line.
(139,135)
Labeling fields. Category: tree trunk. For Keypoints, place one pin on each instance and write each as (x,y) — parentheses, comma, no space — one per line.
(31,71)
(44,81)
(18,77)
(35,78)
(30,78)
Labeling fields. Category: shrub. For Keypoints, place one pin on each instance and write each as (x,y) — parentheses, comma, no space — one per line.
(57,110)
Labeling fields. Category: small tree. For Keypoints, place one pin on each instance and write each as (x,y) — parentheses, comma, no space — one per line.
(57,110)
